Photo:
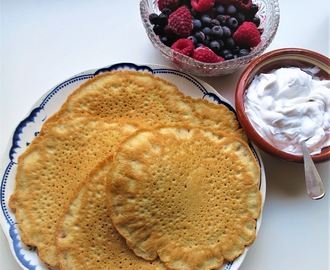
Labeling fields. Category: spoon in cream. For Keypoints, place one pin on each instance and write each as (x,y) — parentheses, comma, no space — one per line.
(314,184)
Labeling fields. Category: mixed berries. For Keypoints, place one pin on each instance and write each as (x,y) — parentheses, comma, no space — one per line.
(208,30)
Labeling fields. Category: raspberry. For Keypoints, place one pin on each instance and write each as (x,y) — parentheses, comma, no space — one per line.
(202,5)
(243,5)
(180,22)
(206,55)
(184,46)
(171,4)
(247,35)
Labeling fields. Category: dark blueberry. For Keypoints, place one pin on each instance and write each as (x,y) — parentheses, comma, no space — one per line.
(197,24)
(226,31)
(207,31)
(243,52)
(193,39)
(200,36)
(227,54)
(221,42)
(158,29)
(214,46)
(153,18)
(231,10)
(166,11)
(162,19)
(206,19)
(230,43)
(217,31)
(261,30)
(253,10)
(199,45)
(240,17)
(215,22)
(232,23)
(256,21)
(220,9)
(167,41)
(222,19)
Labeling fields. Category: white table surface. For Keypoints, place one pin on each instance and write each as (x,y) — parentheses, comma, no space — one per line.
(45,42)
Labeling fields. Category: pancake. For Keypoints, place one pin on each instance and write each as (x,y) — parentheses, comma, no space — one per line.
(187,195)
(51,169)
(86,238)
(138,96)
(218,117)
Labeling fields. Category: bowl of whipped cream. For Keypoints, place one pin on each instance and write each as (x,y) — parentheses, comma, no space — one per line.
(283,98)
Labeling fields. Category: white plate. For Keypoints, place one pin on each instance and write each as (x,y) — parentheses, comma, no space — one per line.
(47,105)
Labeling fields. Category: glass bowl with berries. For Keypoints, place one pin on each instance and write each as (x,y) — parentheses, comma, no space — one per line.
(210,37)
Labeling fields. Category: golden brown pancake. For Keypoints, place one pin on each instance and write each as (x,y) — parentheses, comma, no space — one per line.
(138,96)
(184,194)
(218,117)
(51,169)
(86,238)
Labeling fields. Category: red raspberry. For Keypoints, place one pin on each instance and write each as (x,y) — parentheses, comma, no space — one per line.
(171,4)
(243,5)
(184,46)
(205,54)
(180,22)
(202,5)
(247,35)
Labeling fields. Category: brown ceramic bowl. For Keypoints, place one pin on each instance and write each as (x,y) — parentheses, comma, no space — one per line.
(286,57)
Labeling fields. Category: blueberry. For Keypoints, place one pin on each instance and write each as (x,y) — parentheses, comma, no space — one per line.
(158,29)
(220,9)
(166,11)
(243,52)
(232,23)
(214,46)
(256,21)
(207,31)
(215,22)
(240,17)
(162,19)
(231,10)
(217,31)
(197,24)
(227,54)
(230,43)
(206,19)
(193,39)
(226,31)
(222,19)
(200,36)
(153,18)
(166,41)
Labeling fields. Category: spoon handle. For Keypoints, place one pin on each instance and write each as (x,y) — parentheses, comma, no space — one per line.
(314,184)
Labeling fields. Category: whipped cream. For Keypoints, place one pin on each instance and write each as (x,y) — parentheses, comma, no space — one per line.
(290,105)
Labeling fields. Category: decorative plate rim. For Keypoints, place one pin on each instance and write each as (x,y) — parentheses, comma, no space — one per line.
(29,127)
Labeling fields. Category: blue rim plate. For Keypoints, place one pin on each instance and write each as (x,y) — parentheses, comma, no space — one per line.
(46,106)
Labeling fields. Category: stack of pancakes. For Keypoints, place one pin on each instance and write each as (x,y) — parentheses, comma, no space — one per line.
(132,174)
